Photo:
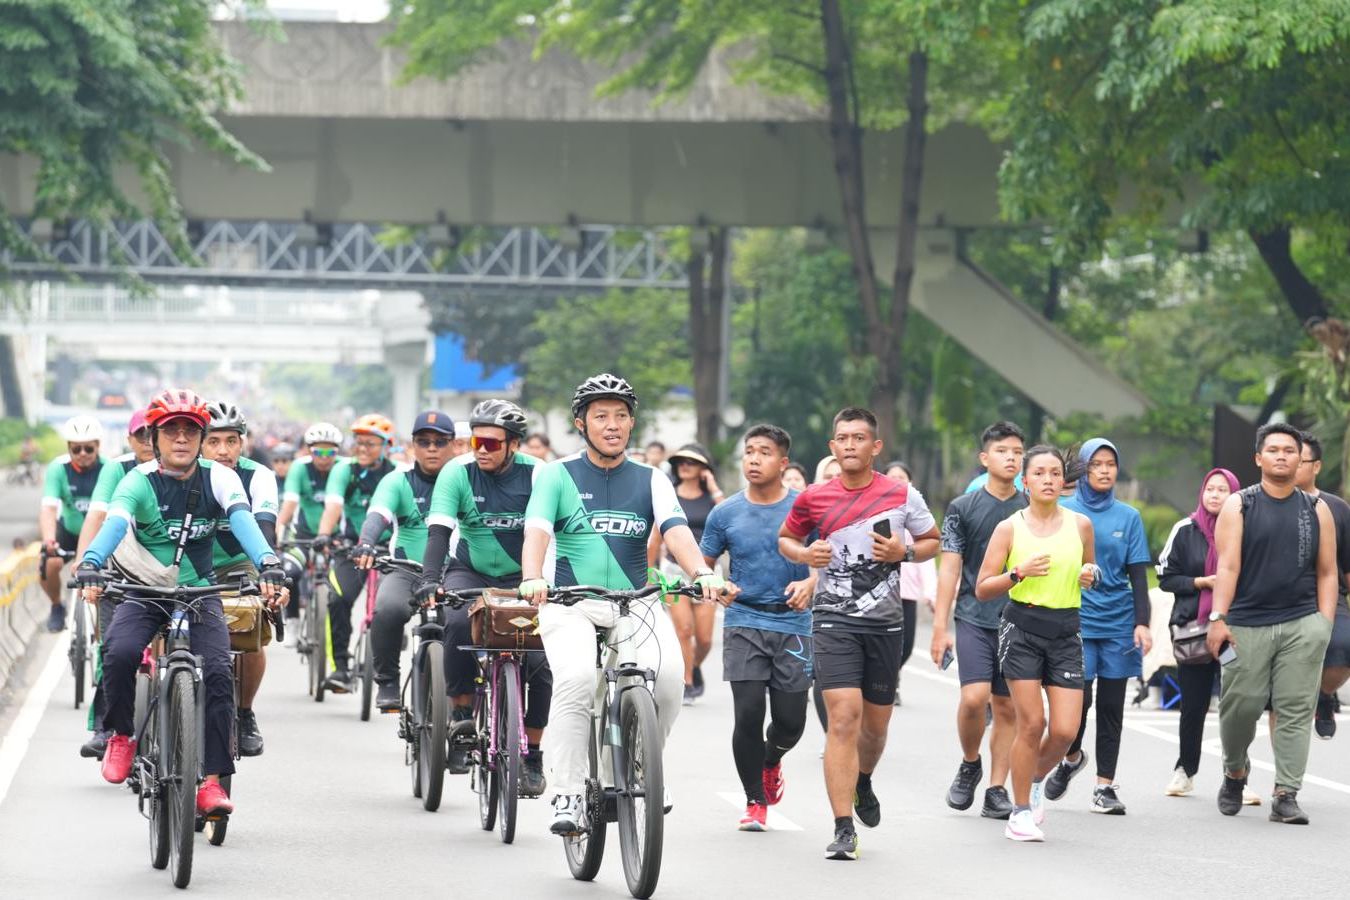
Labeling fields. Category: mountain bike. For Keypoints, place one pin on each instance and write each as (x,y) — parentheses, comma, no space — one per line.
(363,659)
(169,723)
(80,654)
(626,734)
(311,640)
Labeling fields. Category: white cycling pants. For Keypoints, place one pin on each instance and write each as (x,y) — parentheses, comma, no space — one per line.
(569,640)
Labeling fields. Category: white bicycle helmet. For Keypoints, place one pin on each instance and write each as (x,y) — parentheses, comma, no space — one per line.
(225,416)
(81,428)
(323,433)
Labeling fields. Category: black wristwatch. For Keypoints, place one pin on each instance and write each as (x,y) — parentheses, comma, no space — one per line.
(909,553)
(1014,575)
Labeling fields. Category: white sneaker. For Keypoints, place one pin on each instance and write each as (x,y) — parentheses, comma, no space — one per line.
(1022,827)
(1250,797)
(1037,804)
(568,815)
(1180,785)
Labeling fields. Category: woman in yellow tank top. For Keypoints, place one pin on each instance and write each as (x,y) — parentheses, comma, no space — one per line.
(1042,557)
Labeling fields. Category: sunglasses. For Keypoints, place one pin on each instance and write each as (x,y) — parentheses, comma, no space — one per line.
(83,448)
(490,444)
(323,452)
(425,442)
(180,429)
(370,445)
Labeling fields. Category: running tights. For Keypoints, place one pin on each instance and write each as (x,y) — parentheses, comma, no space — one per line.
(749,744)
(1110,723)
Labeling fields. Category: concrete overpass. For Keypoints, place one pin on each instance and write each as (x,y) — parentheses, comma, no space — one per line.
(520,141)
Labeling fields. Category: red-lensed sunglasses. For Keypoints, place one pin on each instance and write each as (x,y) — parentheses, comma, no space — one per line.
(490,444)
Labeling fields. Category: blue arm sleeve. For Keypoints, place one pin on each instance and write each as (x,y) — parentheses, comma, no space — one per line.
(109,535)
(245,530)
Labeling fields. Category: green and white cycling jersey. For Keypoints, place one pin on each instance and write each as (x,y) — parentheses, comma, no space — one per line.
(260,485)
(486,511)
(600,519)
(308,487)
(403,497)
(69,489)
(155,505)
(352,486)
(109,477)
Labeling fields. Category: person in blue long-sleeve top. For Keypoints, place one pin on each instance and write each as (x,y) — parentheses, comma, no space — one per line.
(1114,621)
(154,503)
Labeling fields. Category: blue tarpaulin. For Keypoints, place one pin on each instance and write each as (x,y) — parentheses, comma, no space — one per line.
(453,370)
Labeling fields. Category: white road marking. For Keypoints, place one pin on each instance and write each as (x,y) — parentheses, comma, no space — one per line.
(777,821)
(15,744)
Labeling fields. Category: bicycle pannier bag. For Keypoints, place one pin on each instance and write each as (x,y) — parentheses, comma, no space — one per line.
(500,620)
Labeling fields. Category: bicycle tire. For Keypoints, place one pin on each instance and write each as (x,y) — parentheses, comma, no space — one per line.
(318,647)
(508,749)
(180,767)
(79,648)
(214,829)
(409,732)
(585,852)
(152,794)
(483,777)
(366,660)
(641,818)
(432,724)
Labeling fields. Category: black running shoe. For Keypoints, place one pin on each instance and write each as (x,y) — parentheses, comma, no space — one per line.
(997,804)
(387,697)
(340,682)
(250,738)
(844,845)
(1105,800)
(1284,808)
(867,807)
(1324,719)
(532,780)
(94,747)
(457,760)
(1059,779)
(962,792)
(1230,795)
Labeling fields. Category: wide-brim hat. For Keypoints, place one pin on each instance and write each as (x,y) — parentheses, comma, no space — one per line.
(691,453)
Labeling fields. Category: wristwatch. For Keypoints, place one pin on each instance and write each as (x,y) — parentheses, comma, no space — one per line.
(909,553)
(1216,616)
(1015,575)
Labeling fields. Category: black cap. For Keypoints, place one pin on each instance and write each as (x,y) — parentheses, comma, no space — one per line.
(432,420)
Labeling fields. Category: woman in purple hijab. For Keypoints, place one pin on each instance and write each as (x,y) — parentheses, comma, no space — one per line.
(1186,571)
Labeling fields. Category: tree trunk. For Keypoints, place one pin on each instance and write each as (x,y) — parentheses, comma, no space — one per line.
(1050,309)
(707,301)
(1303,297)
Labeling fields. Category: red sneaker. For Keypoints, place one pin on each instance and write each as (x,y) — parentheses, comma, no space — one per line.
(212,800)
(773,783)
(756,817)
(118,758)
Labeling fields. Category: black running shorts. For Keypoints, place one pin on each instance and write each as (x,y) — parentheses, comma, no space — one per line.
(1054,662)
(869,660)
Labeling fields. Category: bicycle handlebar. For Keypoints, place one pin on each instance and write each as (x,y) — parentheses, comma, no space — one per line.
(567,596)
(388,564)
(181,593)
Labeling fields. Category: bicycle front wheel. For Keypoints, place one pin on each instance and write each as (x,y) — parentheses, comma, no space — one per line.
(318,641)
(79,649)
(640,801)
(432,722)
(366,661)
(179,767)
(508,748)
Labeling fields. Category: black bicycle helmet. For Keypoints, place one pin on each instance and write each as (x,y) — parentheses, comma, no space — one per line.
(499,414)
(602,387)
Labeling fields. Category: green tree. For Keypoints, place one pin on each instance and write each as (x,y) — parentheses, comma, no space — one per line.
(638,335)
(88,87)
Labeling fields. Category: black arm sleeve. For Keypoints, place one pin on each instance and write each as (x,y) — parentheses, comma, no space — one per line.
(1143,612)
(1178,571)
(372,528)
(268,526)
(433,558)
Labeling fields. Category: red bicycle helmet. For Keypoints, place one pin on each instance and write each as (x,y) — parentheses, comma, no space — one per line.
(177,403)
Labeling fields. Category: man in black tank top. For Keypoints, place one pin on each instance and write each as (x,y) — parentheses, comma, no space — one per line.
(1274,601)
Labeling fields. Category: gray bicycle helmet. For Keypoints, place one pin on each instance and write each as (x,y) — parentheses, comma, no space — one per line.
(225,416)
(602,387)
(499,414)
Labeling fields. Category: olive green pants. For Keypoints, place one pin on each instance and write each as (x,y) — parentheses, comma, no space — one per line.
(1280,664)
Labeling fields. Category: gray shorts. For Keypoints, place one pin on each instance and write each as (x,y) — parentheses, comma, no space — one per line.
(753,654)
(977,657)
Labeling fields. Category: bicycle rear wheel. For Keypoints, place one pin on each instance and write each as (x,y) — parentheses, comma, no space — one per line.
(584,852)
(180,766)
(508,748)
(214,829)
(641,814)
(432,724)
(366,661)
(483,773)
(318,641)
(79,648)
(151,788)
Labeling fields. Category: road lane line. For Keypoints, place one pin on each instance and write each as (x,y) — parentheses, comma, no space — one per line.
(15,744)
(777,821)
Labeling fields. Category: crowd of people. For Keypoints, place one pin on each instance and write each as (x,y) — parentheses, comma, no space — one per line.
(1038,578)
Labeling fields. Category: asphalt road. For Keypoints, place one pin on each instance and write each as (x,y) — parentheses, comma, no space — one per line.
(327,811)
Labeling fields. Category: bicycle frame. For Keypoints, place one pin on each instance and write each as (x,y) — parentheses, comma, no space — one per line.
(492,675)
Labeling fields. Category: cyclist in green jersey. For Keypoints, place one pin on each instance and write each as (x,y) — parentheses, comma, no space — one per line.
(403,499)
(597,508)
(65,500)
(172,507)
(225,445)
(350,488)
(482,497)
(302,495)
(112,473)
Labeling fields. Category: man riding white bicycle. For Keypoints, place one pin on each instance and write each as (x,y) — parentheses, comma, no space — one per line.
(598,508)
(168,511)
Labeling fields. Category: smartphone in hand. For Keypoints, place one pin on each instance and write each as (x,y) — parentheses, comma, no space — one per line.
(1227,654)
(947,657)
(883,528)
